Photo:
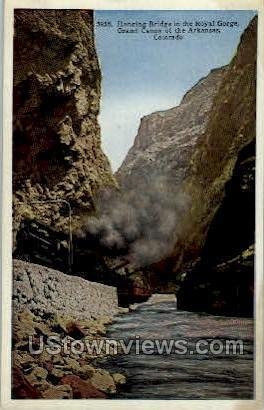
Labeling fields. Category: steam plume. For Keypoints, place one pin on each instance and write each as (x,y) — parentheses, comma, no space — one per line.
(142,222)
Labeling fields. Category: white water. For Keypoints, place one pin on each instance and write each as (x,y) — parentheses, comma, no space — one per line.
(176,376)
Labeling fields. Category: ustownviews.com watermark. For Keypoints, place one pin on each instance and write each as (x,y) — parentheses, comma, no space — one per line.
(136,345)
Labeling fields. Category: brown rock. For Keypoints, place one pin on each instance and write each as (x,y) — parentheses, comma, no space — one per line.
(103,381)
(58,392)
(21,388)
(79,368)
(82,389)
(231,127)
(38,375)
(23,326)
(57,373)
(48,366)
(22,359)
(119,378)
(75,331)
(86,371)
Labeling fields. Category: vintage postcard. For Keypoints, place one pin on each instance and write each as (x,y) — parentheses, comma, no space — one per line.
(132,204)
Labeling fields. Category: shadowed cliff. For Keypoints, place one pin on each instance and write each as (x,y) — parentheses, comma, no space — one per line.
(219,227)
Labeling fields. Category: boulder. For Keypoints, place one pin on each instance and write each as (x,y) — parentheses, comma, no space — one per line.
(103,381)
(21,387)
(58,392)
(82,389)
(119,378)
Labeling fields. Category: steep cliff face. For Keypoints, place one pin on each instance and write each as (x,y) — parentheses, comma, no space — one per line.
(223,279)
(162,152)
(219,227)
(56,137)
(207,145)
(166,140)
(231,128)
(56,157)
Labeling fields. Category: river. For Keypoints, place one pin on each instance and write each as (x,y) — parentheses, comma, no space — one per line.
(183,376)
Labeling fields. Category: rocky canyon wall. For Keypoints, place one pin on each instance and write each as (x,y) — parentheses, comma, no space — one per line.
(56,136)
(58,164)
(162,152)
(221,221)
(206,148)
(231,127)
(166,139)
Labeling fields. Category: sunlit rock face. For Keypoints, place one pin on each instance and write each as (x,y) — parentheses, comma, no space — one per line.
(166,139)
(56,136)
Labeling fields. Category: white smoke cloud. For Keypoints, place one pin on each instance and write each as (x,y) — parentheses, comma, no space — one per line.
(142,222)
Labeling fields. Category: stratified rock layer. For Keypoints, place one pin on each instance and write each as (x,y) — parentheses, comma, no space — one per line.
(56,137)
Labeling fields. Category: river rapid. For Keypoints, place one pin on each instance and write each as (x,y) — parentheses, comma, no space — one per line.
(188,375)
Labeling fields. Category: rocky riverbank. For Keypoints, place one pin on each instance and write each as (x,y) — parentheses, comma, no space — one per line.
(50,357)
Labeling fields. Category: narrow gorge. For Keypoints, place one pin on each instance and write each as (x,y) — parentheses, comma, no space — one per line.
(177,217)
(204,149)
